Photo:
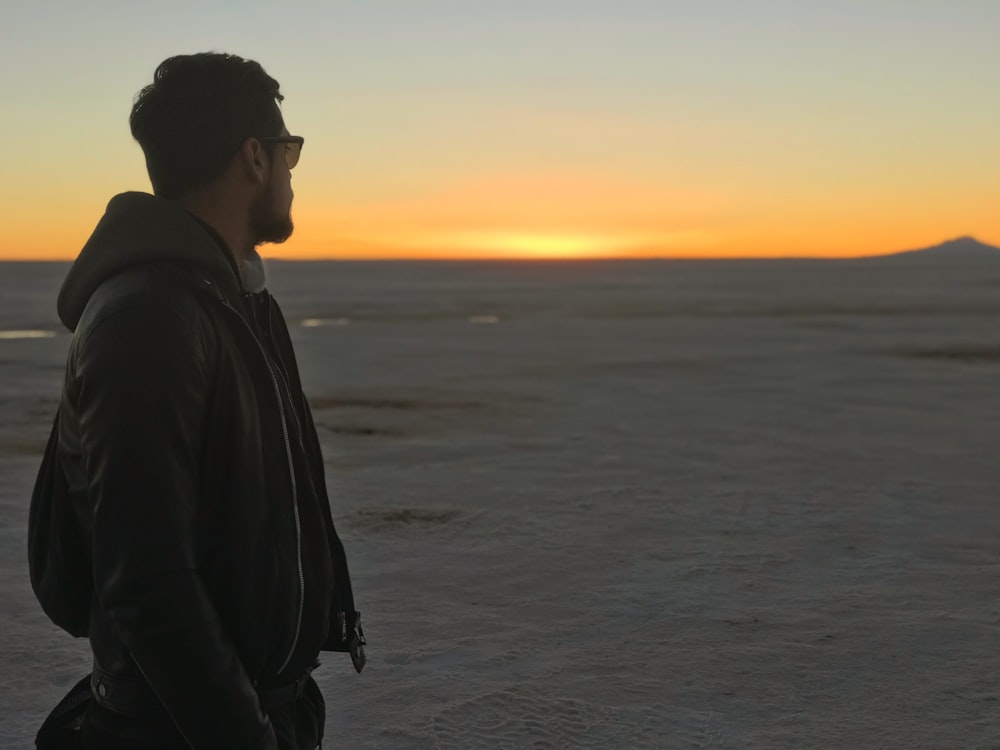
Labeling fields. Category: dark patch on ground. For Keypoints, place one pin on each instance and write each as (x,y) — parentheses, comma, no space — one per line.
(355,415)
(825,324)
(376,519)
(742,621)
(957,354)
(23,446)
(760,312)
(359,431)
(320,403)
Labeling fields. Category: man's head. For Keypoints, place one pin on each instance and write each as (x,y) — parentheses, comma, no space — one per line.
(209,115)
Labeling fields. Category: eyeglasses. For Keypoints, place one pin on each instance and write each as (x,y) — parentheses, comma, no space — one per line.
(293,146)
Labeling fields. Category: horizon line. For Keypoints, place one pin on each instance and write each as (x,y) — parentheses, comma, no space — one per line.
(512,259)
(619,257)
(564,260)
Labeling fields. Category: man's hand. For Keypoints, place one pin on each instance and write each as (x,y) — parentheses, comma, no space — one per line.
(348,636)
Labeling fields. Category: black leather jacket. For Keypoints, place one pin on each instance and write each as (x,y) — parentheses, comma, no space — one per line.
(217,569)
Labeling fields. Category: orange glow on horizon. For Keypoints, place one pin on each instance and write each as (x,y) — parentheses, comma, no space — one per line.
(64,245)
(559,216)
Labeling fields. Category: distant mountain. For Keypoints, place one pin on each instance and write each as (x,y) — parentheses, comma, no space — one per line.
(957,249)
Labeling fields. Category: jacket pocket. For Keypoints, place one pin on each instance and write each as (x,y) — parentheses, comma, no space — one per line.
(126,696)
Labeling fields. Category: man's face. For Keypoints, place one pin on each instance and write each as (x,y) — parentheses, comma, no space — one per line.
(271,215)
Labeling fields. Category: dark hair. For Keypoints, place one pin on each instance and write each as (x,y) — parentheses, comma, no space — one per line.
(196,114)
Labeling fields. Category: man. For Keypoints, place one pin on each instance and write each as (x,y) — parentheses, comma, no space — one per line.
(185,445)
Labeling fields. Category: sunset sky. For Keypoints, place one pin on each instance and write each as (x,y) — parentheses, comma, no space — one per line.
(541,128)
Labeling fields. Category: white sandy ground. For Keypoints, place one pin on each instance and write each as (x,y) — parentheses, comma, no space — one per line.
(676,505)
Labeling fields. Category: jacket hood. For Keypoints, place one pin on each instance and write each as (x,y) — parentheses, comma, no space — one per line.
(139,228)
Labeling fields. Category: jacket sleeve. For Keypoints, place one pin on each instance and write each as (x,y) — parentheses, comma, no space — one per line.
(143,380)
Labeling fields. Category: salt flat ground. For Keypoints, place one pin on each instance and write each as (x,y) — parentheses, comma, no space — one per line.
(635,505)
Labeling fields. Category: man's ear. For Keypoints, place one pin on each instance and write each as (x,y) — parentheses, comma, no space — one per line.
(254,162)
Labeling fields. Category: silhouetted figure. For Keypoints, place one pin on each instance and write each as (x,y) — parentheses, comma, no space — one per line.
(181,519)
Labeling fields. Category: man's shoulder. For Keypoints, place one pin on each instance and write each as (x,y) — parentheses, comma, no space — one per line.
(163,289)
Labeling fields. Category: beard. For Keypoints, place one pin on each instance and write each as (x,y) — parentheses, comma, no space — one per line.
(268,223)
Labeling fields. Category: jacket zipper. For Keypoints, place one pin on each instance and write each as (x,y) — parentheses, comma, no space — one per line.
(294,485)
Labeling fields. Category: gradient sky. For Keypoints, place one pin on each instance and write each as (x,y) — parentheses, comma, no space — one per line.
(446,128)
